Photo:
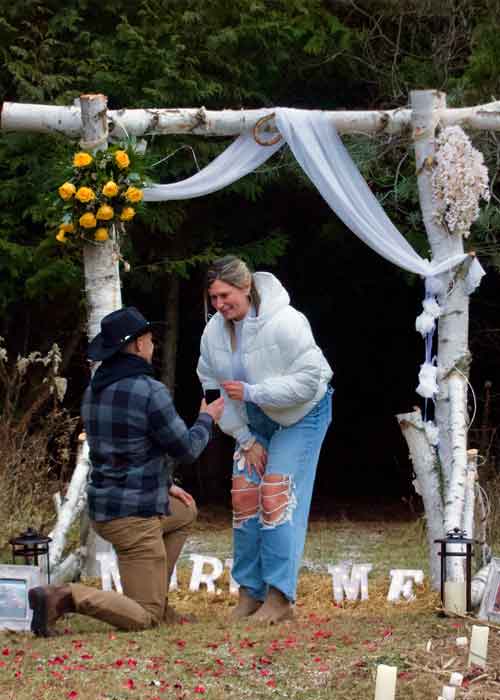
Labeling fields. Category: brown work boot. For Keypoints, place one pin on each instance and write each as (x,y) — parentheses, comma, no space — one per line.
(49,603)
(245,606)
(276,608)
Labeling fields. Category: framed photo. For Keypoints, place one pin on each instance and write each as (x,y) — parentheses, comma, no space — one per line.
(15,582)
(490,604)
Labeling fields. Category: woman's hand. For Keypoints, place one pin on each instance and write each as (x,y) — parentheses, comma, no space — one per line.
(256,458)
(235,390)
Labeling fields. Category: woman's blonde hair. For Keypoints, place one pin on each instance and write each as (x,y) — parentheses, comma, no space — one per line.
(233,271)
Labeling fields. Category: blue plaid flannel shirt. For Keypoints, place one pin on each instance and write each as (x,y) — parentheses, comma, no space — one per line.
(131,425)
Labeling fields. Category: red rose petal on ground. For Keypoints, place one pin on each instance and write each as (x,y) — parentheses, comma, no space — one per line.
(199,689)
(129,684)
(181,643)
(72,694)
(271,683)
(404,675)
(5,651)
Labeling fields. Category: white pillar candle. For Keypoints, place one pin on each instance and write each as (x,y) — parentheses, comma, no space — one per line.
(478,652)
(385,687)
(455,600)
(448,692)
(456,679)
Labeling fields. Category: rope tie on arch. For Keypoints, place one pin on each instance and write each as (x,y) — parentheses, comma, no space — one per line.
(259,124)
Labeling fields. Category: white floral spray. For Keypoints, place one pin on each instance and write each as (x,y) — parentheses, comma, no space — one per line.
(459,180)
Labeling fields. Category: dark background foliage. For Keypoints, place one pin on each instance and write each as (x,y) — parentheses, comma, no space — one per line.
(245,54)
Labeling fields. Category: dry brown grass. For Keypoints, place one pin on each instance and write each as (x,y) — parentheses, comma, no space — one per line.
(30,468)
(329,652)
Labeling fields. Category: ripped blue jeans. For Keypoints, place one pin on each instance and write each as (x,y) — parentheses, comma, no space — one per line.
(270,515)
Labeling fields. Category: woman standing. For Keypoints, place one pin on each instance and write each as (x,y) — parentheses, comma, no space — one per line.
(261,353)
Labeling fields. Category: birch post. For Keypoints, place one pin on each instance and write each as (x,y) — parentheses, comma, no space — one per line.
(449,458)
(102,288)
(425,461)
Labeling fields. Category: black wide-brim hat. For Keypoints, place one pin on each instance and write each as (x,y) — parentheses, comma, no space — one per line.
(117,329)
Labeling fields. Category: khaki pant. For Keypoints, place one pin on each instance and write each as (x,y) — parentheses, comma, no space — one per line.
(147,549)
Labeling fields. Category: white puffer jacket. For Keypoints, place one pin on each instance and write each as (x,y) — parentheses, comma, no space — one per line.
(288,372)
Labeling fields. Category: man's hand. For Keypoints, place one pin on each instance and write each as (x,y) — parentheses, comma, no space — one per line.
(235,390)
(183,496)
(214,409)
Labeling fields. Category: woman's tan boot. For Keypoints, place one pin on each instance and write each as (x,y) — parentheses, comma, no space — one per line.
(245,606)
(276,608)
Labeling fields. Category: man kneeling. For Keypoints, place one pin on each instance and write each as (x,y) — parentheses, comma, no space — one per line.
(131,424)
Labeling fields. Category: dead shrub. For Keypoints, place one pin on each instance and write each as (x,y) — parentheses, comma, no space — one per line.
(35,440)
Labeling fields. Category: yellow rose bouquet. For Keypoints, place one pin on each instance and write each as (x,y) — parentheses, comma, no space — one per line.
(99,190)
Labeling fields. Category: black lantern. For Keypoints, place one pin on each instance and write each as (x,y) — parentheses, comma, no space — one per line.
(453,546)
(30,545)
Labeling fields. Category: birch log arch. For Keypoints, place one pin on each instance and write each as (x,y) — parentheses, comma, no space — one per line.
(439,454)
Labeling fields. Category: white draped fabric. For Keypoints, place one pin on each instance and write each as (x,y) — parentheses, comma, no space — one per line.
(318,149)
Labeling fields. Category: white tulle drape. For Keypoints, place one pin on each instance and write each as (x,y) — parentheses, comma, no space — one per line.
(318,149)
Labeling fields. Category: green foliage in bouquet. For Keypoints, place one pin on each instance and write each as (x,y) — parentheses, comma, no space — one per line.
(102,189)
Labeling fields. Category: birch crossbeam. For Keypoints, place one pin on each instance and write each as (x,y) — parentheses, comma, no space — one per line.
(202,122)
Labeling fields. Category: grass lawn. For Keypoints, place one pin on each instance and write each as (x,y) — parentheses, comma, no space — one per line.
(329,651)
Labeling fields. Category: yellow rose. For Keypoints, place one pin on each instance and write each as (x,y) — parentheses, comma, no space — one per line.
(61,236)
(101,234)
(122,159)
(85,194)
(133,194)
(110,189)
(87,220)
(105,212)
(67,228)
(82,159)
(66,191)
(127,213)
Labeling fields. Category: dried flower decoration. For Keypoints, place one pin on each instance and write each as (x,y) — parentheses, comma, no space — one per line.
(459,180)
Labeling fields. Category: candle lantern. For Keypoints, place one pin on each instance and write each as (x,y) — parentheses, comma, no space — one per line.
(456,544)
(31,545)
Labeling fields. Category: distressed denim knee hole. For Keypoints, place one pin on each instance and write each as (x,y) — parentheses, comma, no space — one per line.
(245,497)
(277,500)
